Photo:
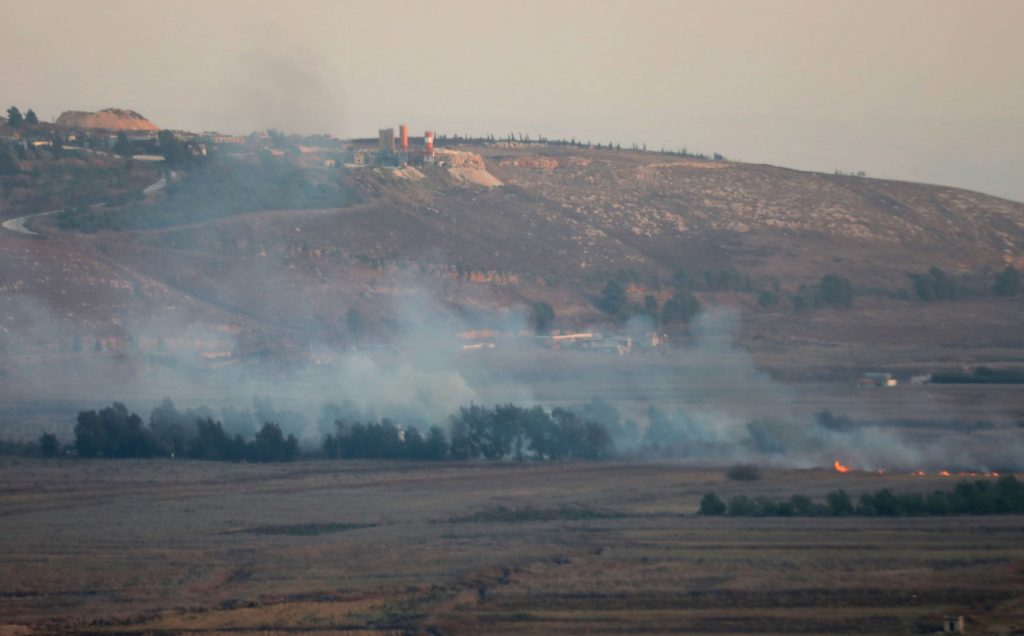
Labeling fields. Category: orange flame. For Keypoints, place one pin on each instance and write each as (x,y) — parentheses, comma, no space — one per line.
(944,473)
(840,468)
(919,473)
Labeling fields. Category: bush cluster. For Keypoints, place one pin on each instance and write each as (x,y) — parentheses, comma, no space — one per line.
(114,432)
(980,497)
(933,285)
(384,440)
(509,431)
(981,375)
(476,432)
(744,472)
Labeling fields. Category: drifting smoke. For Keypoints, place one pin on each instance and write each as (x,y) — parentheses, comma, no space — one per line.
(419,379)
(721,407)
(752,418)
(707,403)
(283,90)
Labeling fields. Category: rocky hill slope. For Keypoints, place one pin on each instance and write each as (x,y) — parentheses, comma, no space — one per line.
(106,119)
(552,224)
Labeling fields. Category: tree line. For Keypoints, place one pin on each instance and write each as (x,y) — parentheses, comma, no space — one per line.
(15,118)
(502,432)
(114,432)
(681,308)
(980,497)
(832,291)
(981,375)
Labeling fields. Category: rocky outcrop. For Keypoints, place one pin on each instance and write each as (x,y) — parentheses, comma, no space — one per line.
(106,119)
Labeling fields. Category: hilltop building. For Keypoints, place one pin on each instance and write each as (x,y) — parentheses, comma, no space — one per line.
(399,152)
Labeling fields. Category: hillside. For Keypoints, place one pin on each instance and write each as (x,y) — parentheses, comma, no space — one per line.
(405,246)
(565,222)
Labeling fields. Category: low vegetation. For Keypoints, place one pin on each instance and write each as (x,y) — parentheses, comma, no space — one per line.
(477,432)
(114,432)
(933,285)
(306,529)
(744,472)
(979,497)
(981,375)
(503,432)
(501,514)
(215,189)
(1007,282)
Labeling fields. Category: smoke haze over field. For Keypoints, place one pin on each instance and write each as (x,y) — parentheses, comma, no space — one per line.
(918,90)
(347,69)
(422,377)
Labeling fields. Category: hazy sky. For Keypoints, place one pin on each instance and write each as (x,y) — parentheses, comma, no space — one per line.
(927,91)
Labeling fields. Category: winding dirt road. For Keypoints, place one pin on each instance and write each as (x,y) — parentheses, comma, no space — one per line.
(17,224)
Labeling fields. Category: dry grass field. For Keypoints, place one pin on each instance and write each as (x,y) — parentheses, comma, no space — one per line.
(165,546)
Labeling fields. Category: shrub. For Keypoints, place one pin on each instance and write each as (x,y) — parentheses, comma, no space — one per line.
(767,299)
(48,445)
(834,291)
(935,284)
(980,497)
(712,505)
(1007,282)
(744,472)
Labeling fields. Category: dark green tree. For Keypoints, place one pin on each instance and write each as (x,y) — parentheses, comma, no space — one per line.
(14,117)
(171,148)
(270,445)
(839,503)
(681,308)
(767,299)
(123,147)
(30,117)
(57,145)
(48,445)
(170,427)
(613,299)
(1007,282)
(742,506)
(415,445)
(834,291)
(712,505)
(934,285)
(542,317)
(212,443)
(8,160)
(651,308)
(114,432)
(681,279)
(436,444)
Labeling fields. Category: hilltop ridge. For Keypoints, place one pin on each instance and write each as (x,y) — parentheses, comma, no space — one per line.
(285,239)
(106,119)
